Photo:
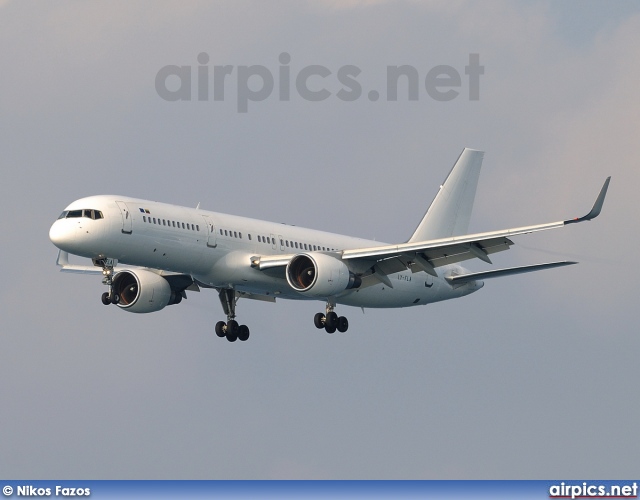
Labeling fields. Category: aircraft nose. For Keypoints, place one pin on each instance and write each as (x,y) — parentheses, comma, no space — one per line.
(61,234)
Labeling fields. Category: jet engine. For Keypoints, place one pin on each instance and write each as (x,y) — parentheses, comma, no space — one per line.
(142,291)
(320,275)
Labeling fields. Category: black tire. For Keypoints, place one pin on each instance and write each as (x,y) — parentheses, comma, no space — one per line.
(343,324)
(115,298)
(105,299)
(232,337)
(330,328)
(232,328)
(243,333)
(331,320)
(220,329)
(318,320)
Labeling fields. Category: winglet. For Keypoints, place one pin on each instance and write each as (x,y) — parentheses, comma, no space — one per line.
(597,206)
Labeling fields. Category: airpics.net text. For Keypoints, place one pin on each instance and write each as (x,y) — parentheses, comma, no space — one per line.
(312,82)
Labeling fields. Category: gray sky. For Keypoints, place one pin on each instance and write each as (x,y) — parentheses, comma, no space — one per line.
(535,376)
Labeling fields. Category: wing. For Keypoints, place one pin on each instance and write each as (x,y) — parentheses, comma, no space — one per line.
(179,282)
(428,255)
(65,267)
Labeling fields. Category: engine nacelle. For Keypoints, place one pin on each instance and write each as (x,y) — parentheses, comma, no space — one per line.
(142,291)
(320,275)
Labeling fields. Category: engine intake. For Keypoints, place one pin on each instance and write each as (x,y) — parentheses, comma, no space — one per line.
(320,275)
(142,291)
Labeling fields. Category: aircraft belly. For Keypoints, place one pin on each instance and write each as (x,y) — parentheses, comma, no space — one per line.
(421,289)
(407,291)
(233,269)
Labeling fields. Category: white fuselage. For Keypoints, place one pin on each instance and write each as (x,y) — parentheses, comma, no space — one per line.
(216,250)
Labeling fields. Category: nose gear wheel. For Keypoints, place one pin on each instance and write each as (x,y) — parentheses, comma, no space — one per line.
(107,266)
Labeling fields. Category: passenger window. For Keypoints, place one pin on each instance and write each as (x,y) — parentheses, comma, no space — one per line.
(154,220)
(144,218)
(286,242)
(296,244)
(240,234)
(164,222)
(197,227)
(235,235)
(225,233)
(183,225)
(249,236)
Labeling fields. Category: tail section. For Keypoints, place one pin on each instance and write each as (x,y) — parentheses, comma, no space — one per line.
(450,211)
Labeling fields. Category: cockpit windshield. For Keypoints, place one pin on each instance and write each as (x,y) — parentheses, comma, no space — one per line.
(86,212)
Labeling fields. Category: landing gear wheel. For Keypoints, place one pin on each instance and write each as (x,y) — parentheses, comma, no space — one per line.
(331,321)
(232,330)
(115,298)
(243,333)
(220,325)
(105,299)
(330,328)
(232,326)
(318,320)
(343,324)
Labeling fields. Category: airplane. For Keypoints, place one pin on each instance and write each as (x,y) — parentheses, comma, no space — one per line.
(150,254)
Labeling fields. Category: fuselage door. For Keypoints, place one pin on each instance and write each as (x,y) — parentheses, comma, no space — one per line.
(281,242)
(127,224)
(211,231)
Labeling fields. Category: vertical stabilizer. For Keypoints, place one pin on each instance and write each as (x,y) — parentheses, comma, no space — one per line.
(450,211)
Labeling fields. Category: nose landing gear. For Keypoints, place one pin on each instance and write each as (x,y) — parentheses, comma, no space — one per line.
(107,266)
(331,321)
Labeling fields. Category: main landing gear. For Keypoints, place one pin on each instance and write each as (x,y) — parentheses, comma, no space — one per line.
(231,329)
(331,321)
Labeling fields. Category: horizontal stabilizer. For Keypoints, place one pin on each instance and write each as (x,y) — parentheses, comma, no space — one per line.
(505,272)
